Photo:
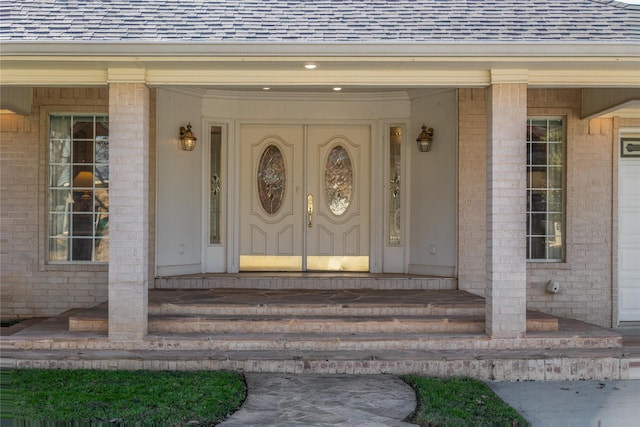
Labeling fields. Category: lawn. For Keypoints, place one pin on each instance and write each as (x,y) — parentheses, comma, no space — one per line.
(121,397)
(206,398)
(460,402)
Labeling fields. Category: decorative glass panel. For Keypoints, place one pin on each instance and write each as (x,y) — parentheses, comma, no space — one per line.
(395,157)
(215,189)
(272,179)
(338,180)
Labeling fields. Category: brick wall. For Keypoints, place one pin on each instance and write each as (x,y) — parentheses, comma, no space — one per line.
(585,278)
(30,287)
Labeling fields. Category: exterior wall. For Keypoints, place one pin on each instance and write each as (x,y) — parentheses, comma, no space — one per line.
(433,185)
(585,277)
(472,190)
(30,286)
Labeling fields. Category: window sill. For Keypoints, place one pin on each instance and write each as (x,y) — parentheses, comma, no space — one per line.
(548,265)
(76,267)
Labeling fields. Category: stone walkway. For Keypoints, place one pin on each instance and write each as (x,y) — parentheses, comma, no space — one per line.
(324,400)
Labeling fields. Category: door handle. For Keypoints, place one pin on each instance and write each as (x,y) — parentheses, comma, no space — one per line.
(309,210)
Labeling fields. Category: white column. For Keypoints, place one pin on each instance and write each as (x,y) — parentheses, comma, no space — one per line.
(506,293)
(128,210)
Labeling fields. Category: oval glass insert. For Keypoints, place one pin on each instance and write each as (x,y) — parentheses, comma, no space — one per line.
(338,180)
(272,178)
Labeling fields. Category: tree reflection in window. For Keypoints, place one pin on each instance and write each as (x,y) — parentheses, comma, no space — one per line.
(338,180)
(272,179)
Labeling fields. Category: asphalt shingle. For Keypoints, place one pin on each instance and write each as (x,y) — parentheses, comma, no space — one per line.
(300,21)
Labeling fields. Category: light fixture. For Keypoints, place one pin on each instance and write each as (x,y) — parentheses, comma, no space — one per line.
(310,66)
(337,89)
(187,138)
(425,139)
(83,182)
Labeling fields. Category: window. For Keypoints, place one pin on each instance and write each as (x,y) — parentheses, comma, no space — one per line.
(78,206)
(395,159)
(545,189)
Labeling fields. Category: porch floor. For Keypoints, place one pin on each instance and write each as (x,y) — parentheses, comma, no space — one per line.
(571,350)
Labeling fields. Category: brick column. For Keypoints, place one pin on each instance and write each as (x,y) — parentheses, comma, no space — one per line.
(506,293)
(128,210)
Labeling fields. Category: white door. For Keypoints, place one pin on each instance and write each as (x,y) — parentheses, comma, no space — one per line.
(629,238)
(304,197)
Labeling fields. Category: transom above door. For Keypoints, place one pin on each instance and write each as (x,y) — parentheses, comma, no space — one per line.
(304,197)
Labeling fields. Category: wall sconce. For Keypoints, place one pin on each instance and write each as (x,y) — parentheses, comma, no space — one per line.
(187,138)
(425,139)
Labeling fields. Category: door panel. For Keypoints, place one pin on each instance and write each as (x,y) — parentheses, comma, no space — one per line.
(338,178)
(304,201)
(271,233)
(629,239)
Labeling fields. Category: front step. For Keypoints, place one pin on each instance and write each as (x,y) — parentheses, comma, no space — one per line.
(334,281)
(245,311)
(319,325)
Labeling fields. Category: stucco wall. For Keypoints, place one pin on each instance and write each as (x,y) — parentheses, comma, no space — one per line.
(586,290)
(30,286)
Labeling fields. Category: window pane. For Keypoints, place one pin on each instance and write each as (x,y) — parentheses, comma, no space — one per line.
(395,195)
(554,201)
(556,153)
(83,128)
(102,149)
(60,176)
(538,201)
(272,179)
(82,151)
(537,250)
(60,200)
(538,225)
(538,154)
(60,127)
(81,249)
(215,189)
(58,249)
(538,130)
(60,151)
(101,178)
(338,180)
(555,177)
(538,178)
(556,131)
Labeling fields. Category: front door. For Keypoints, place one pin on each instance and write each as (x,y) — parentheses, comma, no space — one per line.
(304,197)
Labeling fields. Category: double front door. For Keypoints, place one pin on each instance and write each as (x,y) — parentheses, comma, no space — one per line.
(304,197)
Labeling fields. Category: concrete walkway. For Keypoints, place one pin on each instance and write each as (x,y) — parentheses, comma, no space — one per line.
(574,403)
(324,400)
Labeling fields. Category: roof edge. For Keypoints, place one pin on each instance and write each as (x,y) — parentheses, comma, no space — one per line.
(354,49)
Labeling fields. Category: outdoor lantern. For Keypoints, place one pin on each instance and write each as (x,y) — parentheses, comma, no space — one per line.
(187,138)
(424,139)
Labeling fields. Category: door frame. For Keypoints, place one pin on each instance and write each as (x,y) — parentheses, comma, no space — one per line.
(375,205)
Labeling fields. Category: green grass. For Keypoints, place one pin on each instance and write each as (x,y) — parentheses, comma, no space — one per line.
(121,397)
(460,402)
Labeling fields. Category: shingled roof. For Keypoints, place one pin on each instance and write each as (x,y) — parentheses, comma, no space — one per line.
(318,21)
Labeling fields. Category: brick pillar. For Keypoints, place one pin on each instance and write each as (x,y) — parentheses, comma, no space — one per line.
(128,210)
(506,293)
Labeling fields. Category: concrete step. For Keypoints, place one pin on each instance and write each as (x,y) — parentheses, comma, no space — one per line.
(634,368)
(334,280)
(311,324)
(96,320)
(495,364)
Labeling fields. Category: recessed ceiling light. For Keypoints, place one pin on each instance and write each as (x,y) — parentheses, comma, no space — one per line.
(337,89)
(310,66)
(266,88)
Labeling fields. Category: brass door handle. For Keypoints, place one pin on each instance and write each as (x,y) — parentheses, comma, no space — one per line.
(309,210)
